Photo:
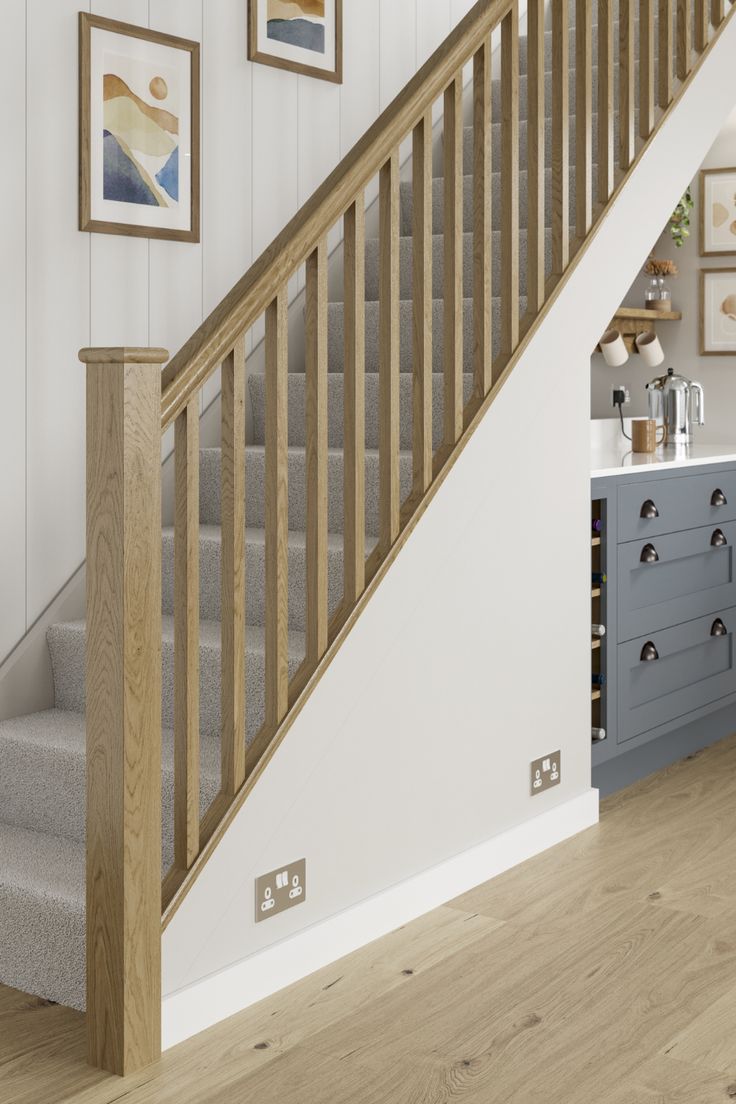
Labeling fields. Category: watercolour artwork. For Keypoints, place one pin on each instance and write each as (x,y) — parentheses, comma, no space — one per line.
(718,211)
(140,175)
(718,311)
(304,36)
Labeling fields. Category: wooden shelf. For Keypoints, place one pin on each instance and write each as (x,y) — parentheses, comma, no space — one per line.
(595,542)
(595,695)
(595,592)
(632,321)
(595,643)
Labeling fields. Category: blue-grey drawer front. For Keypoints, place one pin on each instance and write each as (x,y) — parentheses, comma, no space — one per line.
(683,502)
(692,577)
(694,668)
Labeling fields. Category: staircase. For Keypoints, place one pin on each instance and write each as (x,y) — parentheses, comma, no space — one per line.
(330,482)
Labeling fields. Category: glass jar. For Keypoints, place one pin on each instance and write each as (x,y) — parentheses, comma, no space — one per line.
(657,295)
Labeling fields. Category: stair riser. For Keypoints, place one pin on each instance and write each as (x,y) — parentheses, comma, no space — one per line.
(523,147)
(254,496)
(67,646)
(335,404)
(43,788)
(255,567)
(438,264)
(496,94)
(336,337)
(438,200)
(43,941)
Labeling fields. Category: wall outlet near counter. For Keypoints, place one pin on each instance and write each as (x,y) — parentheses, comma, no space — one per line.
(281,889)
(546,773)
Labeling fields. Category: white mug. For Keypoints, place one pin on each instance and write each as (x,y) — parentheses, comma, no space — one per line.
(650,349)
(613,348)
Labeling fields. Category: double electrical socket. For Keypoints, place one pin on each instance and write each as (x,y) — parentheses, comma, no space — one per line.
(546,773)
(280,890)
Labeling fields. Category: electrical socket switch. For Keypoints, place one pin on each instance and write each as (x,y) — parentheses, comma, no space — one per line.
(281,889)
(546,773)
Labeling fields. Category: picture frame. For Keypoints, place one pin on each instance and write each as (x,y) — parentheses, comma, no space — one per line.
(139,131)
(300,36)
(718,312)
(717,212)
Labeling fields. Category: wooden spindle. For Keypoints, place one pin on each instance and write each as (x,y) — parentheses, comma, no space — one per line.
(627,93)
(186,636)
(316,452)
(123,680)
(453,244)
(560,137)
(583,119)
(684,38)
(701,25)
(665,52)
(509,185)
(482,222)
(233,570)
(717,12)
(536,160)
(606,107)
(422,304)
(388,368)
(277,512)
(354,402)
(646,67)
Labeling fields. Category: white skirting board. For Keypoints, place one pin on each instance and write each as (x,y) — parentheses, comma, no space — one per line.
(199,1006)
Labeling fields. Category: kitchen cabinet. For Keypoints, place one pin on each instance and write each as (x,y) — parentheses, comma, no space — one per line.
(667,546)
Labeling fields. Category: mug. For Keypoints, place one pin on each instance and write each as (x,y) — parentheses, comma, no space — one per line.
(650,349)
(613,348)
(644,435)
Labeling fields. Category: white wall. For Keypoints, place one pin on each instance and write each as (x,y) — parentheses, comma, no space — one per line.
(268,139)
(472,657)
(681,340)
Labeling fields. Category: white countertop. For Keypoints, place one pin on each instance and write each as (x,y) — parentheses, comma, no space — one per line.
(610,452)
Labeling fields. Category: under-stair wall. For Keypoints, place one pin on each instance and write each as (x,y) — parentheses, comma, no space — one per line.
(405,777)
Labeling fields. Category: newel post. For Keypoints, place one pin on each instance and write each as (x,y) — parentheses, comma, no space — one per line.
(123,707)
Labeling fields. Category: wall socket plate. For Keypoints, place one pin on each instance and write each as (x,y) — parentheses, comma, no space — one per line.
(546,773)
(281,889)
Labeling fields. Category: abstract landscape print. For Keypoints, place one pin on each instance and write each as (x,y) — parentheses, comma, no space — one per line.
(304,36)
(141,170)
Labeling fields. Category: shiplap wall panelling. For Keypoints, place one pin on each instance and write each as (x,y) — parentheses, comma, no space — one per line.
(433,26)
(175,268)
(227,161)
(360,90)
(12,327)
(398,47)
(318,141)
(58,282)
(120,274)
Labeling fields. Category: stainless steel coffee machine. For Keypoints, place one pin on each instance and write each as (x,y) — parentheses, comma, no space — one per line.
(679,403)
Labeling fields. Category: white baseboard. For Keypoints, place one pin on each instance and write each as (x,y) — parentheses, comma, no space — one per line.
(207,1002)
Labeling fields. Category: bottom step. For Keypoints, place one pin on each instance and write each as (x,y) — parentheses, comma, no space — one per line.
(42,923)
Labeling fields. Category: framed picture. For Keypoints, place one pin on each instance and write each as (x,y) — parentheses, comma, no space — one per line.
(304,36)
(717,212)
(718,311)
(138,131)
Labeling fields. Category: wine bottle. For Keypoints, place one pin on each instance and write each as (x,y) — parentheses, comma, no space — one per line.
(599,578)
(599,680)
(598,735)
(598,630)
(597,525)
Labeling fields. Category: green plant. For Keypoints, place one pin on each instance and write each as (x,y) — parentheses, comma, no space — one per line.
(680,221)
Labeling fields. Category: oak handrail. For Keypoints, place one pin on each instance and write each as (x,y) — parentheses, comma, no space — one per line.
(205,350)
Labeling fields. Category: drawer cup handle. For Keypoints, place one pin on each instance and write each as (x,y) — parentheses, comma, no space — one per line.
(649,554)
(648,510)
(648,653)
(718,498)
(718,539)
(718,628)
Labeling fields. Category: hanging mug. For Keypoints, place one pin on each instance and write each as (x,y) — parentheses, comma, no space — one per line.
(613,348)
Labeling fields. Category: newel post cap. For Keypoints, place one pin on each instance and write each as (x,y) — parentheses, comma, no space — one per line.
(123,356)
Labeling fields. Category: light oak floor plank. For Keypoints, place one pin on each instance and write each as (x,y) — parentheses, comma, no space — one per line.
(603,970)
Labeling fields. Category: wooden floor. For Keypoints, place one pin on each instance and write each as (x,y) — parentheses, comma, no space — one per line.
(603,972)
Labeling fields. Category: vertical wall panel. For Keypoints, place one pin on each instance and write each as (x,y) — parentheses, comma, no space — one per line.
(433,26)
(398,46)
(12,327)
(175,268)
(359,94)
(119,292)
(275,176)
(58,306)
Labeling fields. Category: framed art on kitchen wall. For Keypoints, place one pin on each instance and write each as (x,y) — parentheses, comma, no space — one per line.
(718,311)
(717,212)
(139,128)
(302,36)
